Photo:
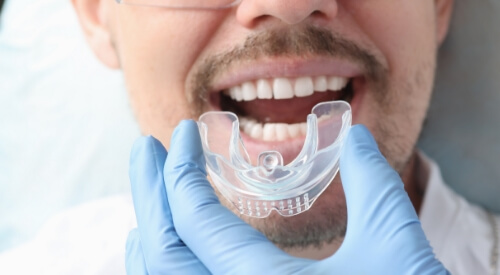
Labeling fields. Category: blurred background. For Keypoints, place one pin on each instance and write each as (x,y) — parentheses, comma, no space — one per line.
(462,131)
(66,128)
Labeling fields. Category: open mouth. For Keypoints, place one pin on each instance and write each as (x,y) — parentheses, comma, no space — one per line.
(276,109)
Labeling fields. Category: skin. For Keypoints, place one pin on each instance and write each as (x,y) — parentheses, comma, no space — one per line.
(163,54)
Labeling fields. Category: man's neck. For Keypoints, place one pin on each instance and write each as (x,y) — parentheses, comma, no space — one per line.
(415,177)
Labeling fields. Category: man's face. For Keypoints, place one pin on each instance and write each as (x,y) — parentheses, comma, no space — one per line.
(181,63)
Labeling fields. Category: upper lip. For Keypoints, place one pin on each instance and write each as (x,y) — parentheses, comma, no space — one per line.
(285,67)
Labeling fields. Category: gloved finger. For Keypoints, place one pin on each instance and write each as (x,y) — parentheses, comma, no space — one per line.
(383,233)
(368,180)
(221,240)
(382,228)
(134,259)
(162,248)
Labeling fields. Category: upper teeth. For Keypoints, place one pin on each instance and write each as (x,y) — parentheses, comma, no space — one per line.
(283,88)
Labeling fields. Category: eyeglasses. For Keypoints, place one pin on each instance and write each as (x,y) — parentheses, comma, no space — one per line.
(184,4)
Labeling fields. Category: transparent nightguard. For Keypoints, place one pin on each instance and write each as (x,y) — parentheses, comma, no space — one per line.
(256,189)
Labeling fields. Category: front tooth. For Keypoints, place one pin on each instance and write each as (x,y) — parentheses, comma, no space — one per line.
(304,87)
(294,130)
(281,131)
(282,88)
(248,91)
(272,131)
(247,125)
(256,131)
(303,128)
(232,93)
(243,121)
(269,132)
(264,90)
(236,93)
(336,83)
(320,84)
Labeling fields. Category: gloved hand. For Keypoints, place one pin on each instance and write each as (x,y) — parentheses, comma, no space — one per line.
(183,228)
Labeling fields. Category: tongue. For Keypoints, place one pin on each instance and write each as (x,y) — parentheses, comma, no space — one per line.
(293,110)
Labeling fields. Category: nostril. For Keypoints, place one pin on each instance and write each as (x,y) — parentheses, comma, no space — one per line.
(258,20)
(317,13)
(250,14)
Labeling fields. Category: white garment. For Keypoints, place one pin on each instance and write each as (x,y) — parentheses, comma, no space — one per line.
(459,232)
(91,239)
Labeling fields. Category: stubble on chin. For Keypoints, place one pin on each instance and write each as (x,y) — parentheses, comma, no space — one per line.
(324,223)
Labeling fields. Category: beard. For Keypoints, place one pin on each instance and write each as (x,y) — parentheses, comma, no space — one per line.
(323,223)
(326,221)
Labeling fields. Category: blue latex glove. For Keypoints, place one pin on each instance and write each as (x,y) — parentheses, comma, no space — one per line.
(183,229)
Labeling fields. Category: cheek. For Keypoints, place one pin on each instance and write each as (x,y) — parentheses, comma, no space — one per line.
(157,48)
(405,34)
(404,31)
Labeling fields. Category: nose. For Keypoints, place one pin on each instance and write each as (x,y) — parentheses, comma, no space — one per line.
(251,13)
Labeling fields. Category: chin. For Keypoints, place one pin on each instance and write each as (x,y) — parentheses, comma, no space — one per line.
(323,224)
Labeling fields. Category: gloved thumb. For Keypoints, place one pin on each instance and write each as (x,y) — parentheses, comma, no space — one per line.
(380,216)
(383,230)
(370,184)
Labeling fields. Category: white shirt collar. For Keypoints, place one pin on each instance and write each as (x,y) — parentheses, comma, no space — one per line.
(459,232)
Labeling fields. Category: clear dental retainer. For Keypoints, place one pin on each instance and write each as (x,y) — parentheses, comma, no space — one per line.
(257,189)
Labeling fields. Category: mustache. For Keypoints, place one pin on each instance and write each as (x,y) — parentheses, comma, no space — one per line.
(287,42)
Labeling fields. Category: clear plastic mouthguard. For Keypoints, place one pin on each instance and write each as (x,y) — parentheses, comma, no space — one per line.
(257,189)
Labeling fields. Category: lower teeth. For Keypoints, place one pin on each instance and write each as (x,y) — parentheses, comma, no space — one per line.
(272,131)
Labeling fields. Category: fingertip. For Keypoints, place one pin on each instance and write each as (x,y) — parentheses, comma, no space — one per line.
(360,162)
(137,147)
(360,145)
(359,134)
(144,145)
(186,129)
(185,146)
(147,152)
(187,123)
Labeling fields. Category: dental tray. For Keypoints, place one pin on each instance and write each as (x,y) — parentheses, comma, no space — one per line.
(268,184)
